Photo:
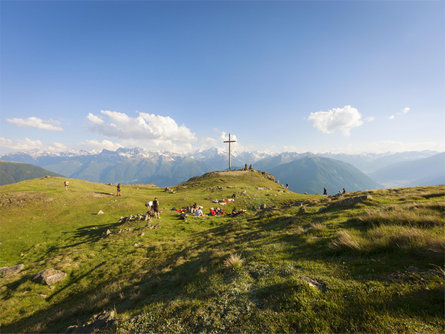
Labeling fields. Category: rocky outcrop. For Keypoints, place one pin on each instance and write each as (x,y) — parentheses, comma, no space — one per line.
(10,271)
(97,322)
(49,276)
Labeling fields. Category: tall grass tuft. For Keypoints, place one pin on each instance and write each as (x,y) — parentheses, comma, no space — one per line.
(345,240)
(420,215)
(426,242)
(317,227)
(233,262)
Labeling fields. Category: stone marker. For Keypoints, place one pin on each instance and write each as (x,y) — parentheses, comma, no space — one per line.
(13,270)
(49,276)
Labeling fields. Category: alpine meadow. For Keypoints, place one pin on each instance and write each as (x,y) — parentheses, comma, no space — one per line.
(362,262)
(222,167)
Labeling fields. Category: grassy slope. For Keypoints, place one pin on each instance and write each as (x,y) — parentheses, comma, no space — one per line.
(11,172)
(177,280)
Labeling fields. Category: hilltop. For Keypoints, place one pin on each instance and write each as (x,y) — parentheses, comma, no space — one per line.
(291,263)
(11,172)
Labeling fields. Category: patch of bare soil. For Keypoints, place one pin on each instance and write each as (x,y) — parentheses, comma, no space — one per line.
(20,199)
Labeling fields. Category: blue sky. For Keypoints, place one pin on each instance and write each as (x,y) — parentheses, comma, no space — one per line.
(282,76)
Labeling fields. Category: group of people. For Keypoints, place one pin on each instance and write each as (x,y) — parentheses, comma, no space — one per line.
(197,211)
(325,191)
(153,208)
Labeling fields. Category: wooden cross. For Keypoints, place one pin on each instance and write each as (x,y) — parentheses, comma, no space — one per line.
(229,141)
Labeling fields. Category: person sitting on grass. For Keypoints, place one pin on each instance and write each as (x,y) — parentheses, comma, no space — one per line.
(237,212)
(198,213)
(194,208)
(212,212)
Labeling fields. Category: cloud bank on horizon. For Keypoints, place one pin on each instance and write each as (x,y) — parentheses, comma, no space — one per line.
(159,133)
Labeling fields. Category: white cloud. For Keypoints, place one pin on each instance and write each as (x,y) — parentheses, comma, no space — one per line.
(57,147)
(34,122)
(404,111)
(94,119)
(143,127)
(96,146)
(21,144)
(341,119)
(150,131)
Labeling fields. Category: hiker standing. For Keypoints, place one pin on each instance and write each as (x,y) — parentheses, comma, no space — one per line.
(325,191)
(344,191)
(67,185)
(155,207)
(118,188)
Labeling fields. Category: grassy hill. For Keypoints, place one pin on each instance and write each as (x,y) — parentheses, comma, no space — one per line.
(310,174)
(376,266)
(11,172)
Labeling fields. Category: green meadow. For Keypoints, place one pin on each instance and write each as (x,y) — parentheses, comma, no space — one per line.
(377,266)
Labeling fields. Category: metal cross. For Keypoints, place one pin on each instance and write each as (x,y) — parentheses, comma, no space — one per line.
(229,141)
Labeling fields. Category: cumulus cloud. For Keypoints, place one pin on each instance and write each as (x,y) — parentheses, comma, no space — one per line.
(94,119)
(28,145)
(21,144)
(341,119)
(143,127)
(34,122)
(404,111)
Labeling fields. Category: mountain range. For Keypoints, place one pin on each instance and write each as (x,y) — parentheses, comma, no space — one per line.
(310,174)
(135,165)
(421,172)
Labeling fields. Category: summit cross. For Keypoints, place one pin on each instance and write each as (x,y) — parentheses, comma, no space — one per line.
(229,141)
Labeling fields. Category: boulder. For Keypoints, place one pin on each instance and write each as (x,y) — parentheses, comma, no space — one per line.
(263,206)
(350,201)
(313,283)
(49,276)
(10,271)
